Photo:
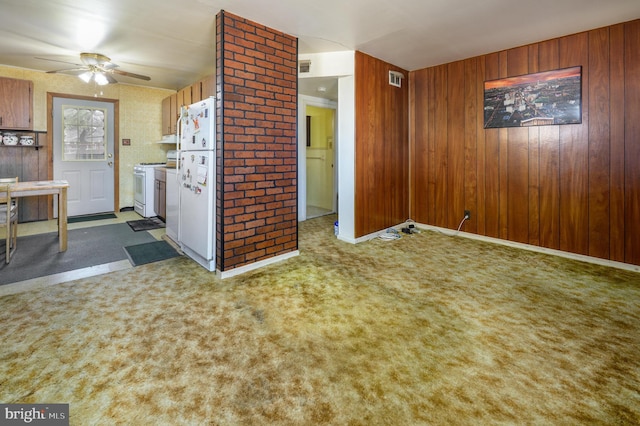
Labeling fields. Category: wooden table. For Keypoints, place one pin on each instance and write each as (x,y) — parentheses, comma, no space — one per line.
(47,187)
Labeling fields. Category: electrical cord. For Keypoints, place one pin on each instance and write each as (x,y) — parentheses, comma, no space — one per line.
(390,235)
(457,230)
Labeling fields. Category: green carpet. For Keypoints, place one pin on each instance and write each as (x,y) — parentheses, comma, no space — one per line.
(155,251)
(89,217)
(426,330)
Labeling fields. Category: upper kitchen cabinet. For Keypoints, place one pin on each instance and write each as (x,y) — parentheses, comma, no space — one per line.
(184,97)
(196,91)
(208,85)
(169,114)
(16,104)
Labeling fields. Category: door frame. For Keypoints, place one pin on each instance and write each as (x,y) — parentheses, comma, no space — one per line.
(303,102)
(116,138)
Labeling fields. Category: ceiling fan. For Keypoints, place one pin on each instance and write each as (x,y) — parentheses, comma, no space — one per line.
(98,68)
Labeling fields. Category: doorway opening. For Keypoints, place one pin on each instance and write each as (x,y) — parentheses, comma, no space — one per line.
(317,194)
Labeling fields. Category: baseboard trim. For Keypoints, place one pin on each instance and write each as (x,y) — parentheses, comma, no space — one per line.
(246,268)
(560,253)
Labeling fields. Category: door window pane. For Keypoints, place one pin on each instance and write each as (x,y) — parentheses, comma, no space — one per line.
(84,136)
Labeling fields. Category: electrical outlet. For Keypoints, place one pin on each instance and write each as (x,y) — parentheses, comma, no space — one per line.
(467,214)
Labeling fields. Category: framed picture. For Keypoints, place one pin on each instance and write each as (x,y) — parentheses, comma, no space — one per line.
(126,141)
(540,99)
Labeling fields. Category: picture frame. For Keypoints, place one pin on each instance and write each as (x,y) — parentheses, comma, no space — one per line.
(126,142)
(538,99)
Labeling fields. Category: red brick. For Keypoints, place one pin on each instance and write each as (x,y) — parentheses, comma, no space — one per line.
(258,209)
(255,254)
(273,235)
(249,248)
(275,249)
(255,239)
(244,234)
(245,186)
(233,179)
(264,214)
(243,170)
(255,223)
(255,193)
(275,220)
(265,244)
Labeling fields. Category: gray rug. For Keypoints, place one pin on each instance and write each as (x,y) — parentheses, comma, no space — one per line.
(38,256)
(141,254)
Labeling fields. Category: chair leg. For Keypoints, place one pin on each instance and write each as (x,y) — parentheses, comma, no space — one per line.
(8,241)
(11,241)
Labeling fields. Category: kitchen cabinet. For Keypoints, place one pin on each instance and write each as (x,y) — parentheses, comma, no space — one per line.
(196,91)
(16,104)
(169,114)
(184,97)
(160,192)
(208,86)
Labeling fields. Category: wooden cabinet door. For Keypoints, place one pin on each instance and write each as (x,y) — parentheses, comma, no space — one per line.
(196,92)
(209,86)
(162,202)
(173,101)
(156,196)
(16,104)
(184,97)
(169,115)
(166,116)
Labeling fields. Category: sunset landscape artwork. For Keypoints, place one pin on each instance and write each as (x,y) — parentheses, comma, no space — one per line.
(540,99)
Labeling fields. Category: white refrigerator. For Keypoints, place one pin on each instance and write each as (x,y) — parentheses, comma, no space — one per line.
(197,182)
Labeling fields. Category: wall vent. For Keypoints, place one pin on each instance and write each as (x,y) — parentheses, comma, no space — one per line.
(304,66)
(395,78)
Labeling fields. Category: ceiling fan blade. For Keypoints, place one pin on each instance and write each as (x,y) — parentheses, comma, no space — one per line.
(55,60)
(130,74)
(69,70)
(110,78)
(108,66)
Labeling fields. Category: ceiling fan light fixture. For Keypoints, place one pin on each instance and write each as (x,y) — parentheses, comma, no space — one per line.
(86,76)
(99,69)
(101,79)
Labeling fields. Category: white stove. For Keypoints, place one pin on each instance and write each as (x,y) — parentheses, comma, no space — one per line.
(143,178)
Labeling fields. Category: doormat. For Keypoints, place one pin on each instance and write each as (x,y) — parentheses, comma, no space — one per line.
(155,251)
(146,224)
(89,217)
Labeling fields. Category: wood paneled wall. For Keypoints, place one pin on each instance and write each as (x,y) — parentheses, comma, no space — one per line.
(574,188)
(382,131)
(28,164)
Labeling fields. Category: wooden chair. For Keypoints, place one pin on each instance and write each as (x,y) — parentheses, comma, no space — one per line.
(9,216)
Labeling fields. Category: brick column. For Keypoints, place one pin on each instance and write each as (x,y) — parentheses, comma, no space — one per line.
(257,187)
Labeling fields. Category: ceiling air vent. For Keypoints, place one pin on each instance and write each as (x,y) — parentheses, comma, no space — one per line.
(395,78)
(304,66)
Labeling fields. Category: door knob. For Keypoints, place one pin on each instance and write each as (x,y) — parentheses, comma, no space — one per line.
(110,163)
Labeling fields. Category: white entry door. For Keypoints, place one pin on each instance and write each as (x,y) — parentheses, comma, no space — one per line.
(83,147)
